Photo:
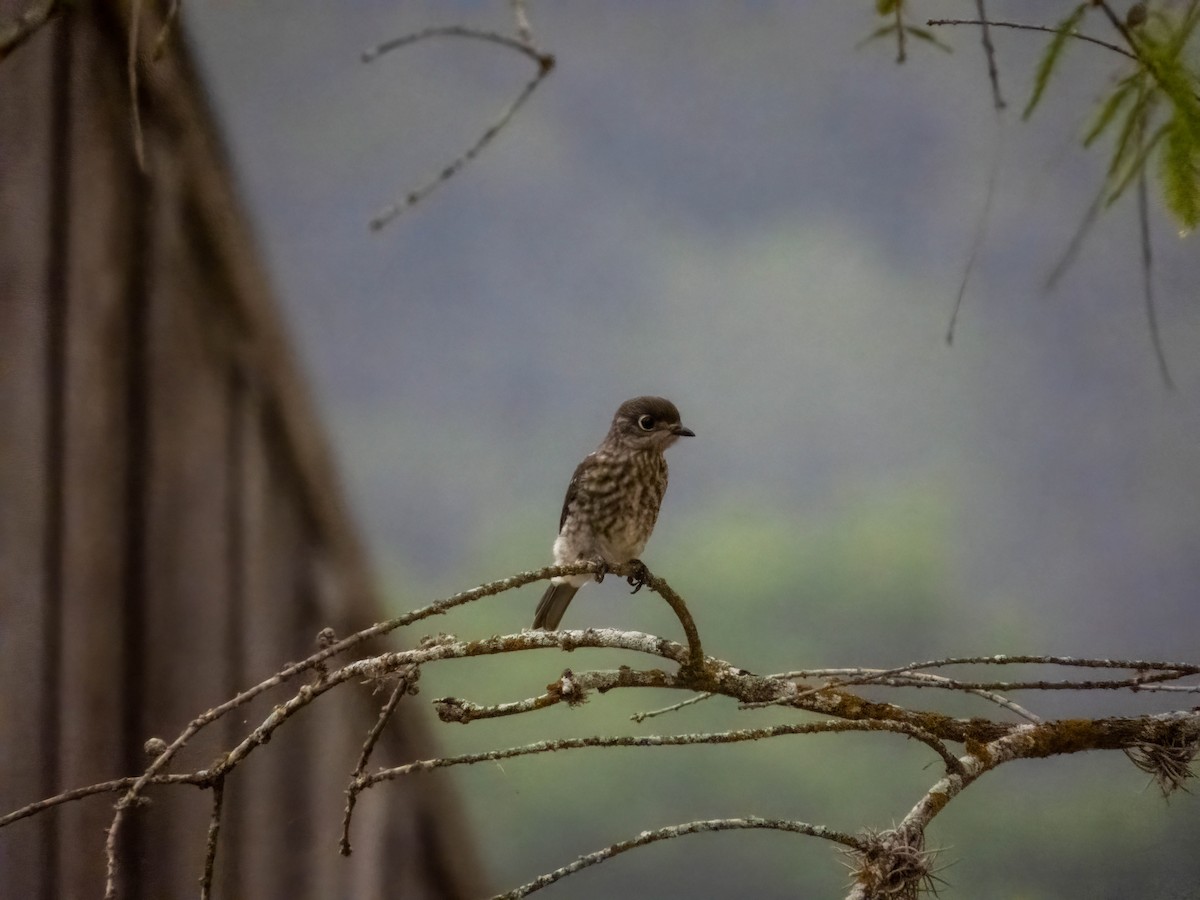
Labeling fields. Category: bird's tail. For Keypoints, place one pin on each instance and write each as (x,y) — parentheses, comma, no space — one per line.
(554,603)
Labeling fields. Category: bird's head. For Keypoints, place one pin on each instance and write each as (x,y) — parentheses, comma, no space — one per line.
(648,423)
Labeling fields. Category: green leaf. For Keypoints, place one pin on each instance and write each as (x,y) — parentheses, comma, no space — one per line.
(1175,81)
(876,35)
(1051,56)
(924,35)
(1184,32)
(1134,167)
(1179,172)
(1111,107)
(1135,120)
(886,7)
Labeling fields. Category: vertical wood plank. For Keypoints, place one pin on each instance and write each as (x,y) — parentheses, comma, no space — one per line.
(171,530)
(26,139)
(267,792)
(185,656)
(93,705)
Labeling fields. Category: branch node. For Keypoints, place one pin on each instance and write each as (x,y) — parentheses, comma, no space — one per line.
(568,688)
(154,747)
(894,863)
(452,709)
(1167,759)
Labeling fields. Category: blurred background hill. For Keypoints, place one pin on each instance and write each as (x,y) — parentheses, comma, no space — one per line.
(730,205)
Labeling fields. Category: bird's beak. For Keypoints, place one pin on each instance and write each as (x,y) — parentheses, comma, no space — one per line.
(680,431)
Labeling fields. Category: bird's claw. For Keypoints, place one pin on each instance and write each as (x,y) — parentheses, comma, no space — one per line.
(601,569)
(638,575)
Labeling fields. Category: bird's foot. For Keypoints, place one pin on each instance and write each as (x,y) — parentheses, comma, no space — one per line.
(601,568)
(638,576)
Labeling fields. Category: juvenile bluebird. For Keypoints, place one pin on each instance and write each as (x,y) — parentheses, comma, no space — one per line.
(613,499)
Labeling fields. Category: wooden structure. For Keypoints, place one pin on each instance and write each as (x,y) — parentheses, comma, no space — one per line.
(170,527)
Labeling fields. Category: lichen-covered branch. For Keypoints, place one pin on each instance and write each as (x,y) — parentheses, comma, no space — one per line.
(886,864)
(897,865)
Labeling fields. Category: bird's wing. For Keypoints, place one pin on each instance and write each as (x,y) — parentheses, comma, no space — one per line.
(573,487)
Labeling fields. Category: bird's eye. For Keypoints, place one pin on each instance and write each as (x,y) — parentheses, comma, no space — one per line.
(646,423)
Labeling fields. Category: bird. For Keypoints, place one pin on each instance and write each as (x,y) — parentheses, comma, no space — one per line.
(613,499)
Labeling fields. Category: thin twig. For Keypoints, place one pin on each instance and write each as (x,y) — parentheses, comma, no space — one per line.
(1150,673)
(835,726)
(674,831)
(458,31)
(1143,204)
(1117,23)
(545,65)
(214,832)
(131,796)
(404,684)
(664,590)
(655,713)
(977,240)
(917,680)
(990,52)
(1005,659)
(1179,688)
(1076,243)
(928,679)
(1021,26)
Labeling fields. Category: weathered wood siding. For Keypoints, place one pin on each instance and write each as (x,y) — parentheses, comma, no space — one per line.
(170,527)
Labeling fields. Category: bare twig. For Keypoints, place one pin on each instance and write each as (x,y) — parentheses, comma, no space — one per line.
(214,832)
(674,831)
(836,726)
(1143,205)
(103,787)
(977,240)
(1077,239)
(927,679)
(458,31)
(1006,659)
(695,651)
(1135,682)
(1149,673)
(655,713)
(989,51)
(1022,26)
(717,676)
(131,796)
(545,65)
(405,683)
